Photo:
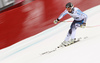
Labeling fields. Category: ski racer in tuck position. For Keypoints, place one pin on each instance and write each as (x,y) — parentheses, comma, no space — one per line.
(79,21)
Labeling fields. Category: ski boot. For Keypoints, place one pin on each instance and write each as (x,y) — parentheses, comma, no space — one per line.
(64,44)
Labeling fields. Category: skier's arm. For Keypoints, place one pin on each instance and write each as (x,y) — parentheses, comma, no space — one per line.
(61,16)
(84,16)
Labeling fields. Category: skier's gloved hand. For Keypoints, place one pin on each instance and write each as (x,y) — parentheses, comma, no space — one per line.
(56,21)
(83,25)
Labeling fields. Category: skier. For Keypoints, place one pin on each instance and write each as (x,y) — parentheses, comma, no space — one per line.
(79,21)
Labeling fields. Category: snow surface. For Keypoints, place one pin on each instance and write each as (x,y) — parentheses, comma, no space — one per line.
(85,51)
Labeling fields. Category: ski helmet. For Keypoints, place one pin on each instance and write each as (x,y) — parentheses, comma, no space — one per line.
(69,5)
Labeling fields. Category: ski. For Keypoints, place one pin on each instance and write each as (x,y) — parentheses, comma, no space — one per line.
(78,40)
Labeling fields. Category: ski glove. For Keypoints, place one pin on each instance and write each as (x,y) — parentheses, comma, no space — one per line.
(56,21)
(83,25)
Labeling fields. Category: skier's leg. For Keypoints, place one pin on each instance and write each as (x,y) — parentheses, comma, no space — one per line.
(70,31)
(73,35)
(66,41)
(68,36)
(74,32)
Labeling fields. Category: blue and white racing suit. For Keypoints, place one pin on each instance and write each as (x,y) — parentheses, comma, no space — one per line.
(79,18)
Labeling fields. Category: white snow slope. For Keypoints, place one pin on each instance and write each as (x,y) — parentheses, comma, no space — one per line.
(85,51)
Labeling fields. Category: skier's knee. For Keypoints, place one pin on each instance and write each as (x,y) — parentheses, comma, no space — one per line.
(70,31)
